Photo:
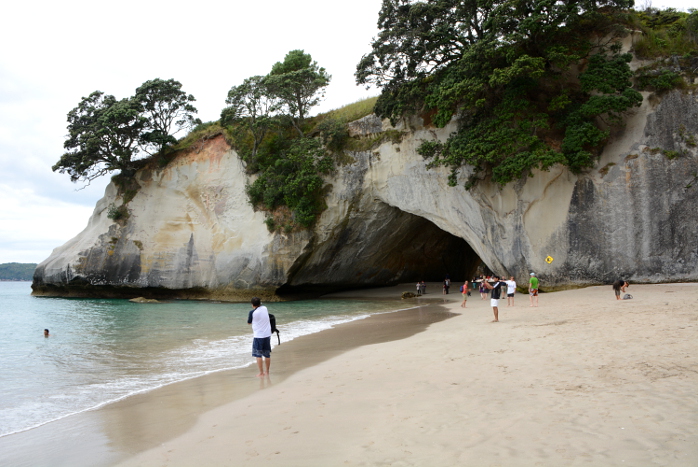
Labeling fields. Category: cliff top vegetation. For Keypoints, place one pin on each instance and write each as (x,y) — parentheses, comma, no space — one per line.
(533,83)
(106,134)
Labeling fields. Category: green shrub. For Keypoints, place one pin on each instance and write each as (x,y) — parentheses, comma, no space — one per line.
(118,213)
(334,134)
(290,183)
(665,32)
(658,80)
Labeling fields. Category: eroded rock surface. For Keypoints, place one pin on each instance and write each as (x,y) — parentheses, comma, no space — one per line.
(192,233)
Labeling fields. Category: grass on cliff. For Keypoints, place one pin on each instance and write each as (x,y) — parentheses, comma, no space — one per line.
(665,33)
(350,112)
(313,127)
(199,135)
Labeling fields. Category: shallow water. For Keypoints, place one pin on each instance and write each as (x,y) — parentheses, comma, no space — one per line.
(101,351)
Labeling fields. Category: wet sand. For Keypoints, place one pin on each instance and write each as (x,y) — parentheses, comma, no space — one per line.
(118,431)
(582,379)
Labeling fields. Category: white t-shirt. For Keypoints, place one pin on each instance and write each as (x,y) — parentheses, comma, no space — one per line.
(511,286)
(259,318)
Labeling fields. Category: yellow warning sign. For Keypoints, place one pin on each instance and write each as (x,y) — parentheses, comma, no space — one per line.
(549,259)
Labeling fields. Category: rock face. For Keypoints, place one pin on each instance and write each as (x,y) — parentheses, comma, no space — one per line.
(192,233)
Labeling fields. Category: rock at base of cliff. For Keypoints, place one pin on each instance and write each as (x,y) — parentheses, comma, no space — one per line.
(144,300)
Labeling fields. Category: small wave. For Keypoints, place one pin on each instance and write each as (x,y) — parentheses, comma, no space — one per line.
(197,358)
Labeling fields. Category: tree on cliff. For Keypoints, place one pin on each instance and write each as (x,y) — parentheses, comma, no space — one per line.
(106,134)
(299,83)
(103,135)
(262,115)
(504,68)
(168,110)
(253,106)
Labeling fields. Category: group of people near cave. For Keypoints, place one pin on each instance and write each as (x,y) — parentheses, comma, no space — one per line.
(495,285)
(486,284)
(259,319)
(259,316)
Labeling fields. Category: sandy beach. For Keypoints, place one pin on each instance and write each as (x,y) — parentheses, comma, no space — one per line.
(582,379)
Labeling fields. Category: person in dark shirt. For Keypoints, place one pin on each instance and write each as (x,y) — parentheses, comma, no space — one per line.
(619,286)
(496,288)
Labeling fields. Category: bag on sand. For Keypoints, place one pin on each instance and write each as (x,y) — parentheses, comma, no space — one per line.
(272,323)
(627,296)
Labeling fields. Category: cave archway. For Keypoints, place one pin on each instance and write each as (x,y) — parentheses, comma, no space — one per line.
(383,247)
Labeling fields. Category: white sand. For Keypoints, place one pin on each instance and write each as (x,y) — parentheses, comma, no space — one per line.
(581,380)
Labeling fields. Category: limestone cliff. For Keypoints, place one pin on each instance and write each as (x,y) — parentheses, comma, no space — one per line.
(192,232)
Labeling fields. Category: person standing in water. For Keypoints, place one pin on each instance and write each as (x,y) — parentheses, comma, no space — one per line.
(261,329)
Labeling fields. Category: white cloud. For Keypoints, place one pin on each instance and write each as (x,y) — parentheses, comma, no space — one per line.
(32,225)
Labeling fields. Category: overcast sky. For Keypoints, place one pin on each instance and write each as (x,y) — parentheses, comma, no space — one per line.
(55,53)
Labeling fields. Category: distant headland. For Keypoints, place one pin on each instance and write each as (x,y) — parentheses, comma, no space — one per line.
(17,271)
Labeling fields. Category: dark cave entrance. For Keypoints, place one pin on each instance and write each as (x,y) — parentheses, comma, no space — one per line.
(388,247)
(425,252)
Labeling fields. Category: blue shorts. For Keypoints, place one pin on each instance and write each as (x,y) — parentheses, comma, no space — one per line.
(261,347)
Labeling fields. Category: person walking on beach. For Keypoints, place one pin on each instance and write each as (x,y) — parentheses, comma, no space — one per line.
(533,289)
(619,286)
(464,292)
(511,290)
(424,288)
(261,329)
(496,293)
(419,288)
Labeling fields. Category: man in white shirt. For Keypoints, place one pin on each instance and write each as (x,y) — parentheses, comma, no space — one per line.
(511,290)
(261,329)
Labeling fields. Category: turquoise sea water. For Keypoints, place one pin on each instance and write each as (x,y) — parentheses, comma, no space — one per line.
(101,351)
